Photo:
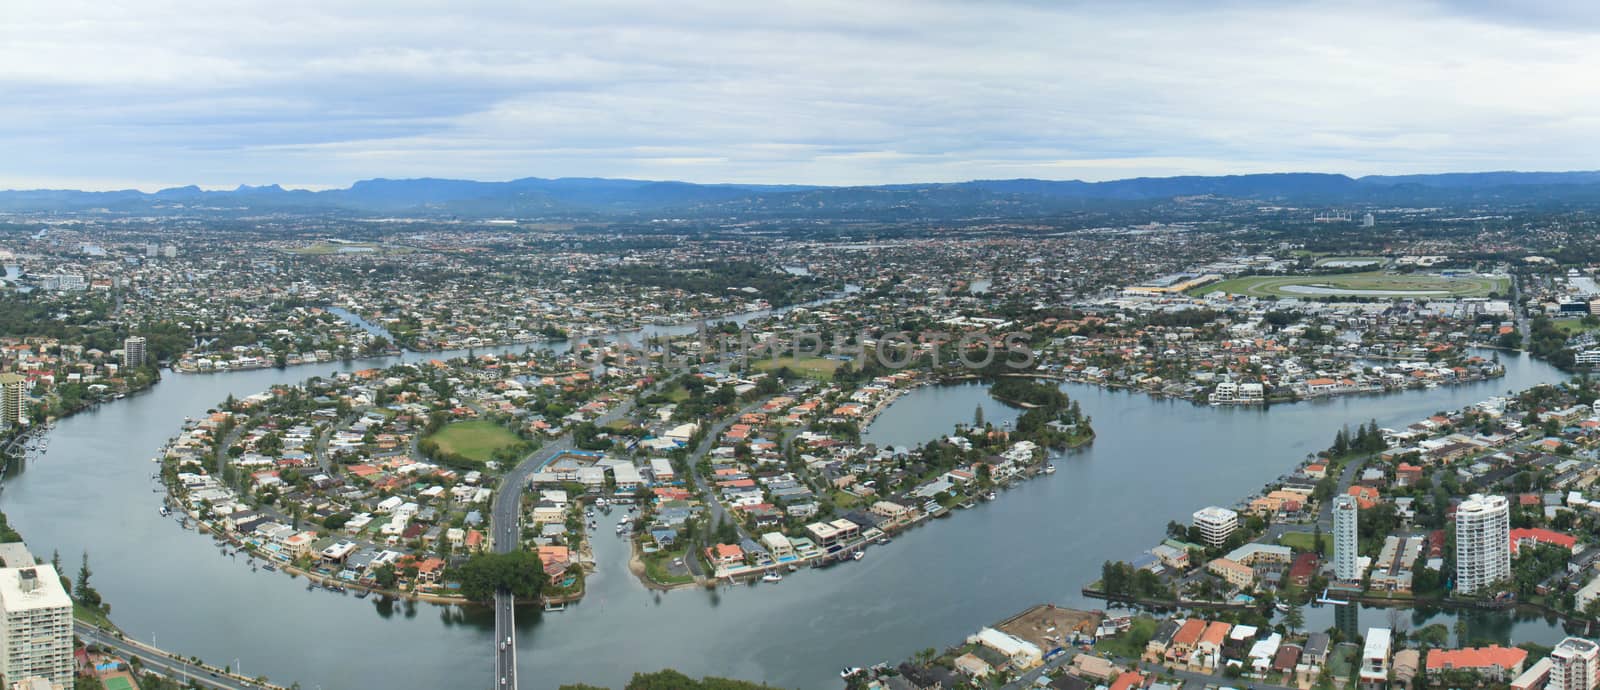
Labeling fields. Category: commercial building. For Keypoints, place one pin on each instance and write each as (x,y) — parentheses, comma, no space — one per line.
(133,351)
(13,391)
(1346,559)
(1483,543)
(36,634)
(1574,663)
(1215,524)
(1021,654)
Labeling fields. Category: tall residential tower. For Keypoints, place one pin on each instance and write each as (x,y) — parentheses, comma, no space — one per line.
(35,626)
(1483,542)
(1346,560)
(133,351)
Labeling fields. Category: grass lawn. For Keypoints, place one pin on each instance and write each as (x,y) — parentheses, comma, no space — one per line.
(91,616)
(844,500)
(1130,644)
(1301,541)
(1570,326)
(655,566)
(474,440)
(1368,284)
(1342,662)
(820,368)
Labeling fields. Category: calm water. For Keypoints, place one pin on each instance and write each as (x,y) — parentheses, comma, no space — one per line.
(1153,461)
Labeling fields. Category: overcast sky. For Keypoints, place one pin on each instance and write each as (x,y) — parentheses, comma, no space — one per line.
(150,93)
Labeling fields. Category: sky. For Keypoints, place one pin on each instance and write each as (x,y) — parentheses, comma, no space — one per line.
(156,93)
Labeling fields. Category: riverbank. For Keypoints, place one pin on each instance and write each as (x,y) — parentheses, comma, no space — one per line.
(1126,485)
(1288,521)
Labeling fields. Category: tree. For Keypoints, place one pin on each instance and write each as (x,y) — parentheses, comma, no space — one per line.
(1112,578)
(520,572)
(83,574)
(385,576)
(1294,618)
(977,417)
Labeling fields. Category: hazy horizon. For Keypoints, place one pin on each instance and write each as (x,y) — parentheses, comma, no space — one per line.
(317,188)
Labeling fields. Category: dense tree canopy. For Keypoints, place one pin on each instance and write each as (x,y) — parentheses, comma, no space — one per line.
(483,574)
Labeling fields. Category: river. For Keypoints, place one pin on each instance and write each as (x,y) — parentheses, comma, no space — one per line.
(1153,461)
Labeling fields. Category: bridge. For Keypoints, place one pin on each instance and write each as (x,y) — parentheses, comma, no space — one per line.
(505,518)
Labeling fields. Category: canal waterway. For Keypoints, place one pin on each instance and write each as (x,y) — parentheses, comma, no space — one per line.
(1153,461)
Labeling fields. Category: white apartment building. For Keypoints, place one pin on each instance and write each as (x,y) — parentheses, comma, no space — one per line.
(36,634)
(1574,664)
(1216,524)
(1483,542)
(1346,559)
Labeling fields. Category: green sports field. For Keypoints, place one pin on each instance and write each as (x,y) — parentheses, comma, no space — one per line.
(476,440)
(1369,284)
(809,367)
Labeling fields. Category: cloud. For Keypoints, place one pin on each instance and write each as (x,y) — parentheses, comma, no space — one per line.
(315,93)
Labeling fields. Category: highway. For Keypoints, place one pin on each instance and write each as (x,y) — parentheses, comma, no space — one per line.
(164,663)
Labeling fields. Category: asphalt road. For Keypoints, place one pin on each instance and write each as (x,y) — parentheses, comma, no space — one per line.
(505,523)
(708,490)
(162,662)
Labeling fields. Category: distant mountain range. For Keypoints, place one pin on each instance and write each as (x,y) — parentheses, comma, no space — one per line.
(574,197)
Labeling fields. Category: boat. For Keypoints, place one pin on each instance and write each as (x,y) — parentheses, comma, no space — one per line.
(859,555)
(989,496)
(362,593)
(270,568)
(1281,607)
(882,541)
(165,511)
(772,577)
(1049,468)
(849,672)
(794,568)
